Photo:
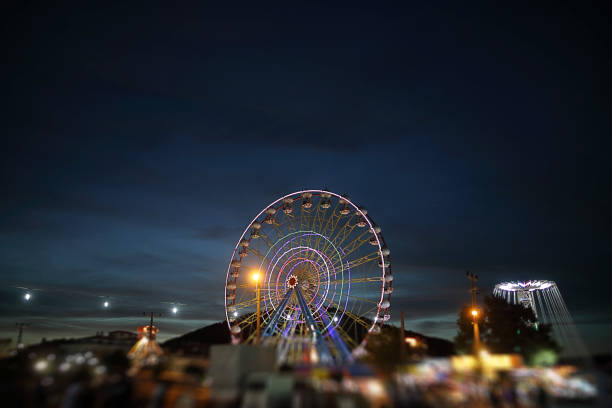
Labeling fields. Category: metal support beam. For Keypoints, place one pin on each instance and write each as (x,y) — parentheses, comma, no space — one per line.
(269,330)
(344,353)
(324,353)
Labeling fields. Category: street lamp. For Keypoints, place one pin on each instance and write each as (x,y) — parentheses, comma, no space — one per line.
(255,278)
(474,313)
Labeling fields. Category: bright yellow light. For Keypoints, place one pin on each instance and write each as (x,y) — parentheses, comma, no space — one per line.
(375,388)
(474,312)
(255,276)
(412,342)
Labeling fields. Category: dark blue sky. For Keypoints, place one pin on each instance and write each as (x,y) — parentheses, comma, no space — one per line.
(138,142)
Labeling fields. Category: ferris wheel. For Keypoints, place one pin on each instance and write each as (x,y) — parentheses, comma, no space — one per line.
(311,274)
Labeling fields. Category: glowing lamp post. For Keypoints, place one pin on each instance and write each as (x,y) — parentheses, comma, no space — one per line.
(474,313)
(255,278)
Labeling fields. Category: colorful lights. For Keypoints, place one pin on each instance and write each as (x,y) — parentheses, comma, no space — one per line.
(313,249)
(528,286)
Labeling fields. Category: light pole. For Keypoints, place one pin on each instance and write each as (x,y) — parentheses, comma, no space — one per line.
(474,311)
(255,278)
(151,335)
(20,326)
(476,330)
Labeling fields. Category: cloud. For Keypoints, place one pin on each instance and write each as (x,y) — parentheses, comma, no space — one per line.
(427,326)
(219,232)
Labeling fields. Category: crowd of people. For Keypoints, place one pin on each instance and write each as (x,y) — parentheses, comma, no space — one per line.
(107,381)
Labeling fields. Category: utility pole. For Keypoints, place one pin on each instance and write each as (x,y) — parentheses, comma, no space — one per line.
(255,276)
(402,340)
(473,288)
(20,326)
(150,334)
(257,289)
(474,311)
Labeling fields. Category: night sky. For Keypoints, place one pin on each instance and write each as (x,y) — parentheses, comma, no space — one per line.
(139,141)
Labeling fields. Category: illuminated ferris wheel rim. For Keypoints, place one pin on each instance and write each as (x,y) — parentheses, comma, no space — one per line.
(528,286)
(385,265)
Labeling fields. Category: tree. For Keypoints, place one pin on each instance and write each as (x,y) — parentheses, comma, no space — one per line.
(464,340)
(505,328)
(384,350)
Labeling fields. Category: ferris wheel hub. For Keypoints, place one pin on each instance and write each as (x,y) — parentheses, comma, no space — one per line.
(292,281)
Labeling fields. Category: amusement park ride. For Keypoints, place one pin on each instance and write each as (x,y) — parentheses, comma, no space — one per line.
(311,275)
(544,299)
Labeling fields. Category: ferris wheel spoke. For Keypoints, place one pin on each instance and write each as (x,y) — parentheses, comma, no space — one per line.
(303,223)
(317,220)
(330,219)
(344,232)
(366,311)
(250,285)
(246,303)
(276,227)
(266,239)
(251,336)
(335,220)
(305,215)
(345,337)
(250,318)
(355,318)
(255,252)
(322,241)
(340,232)
(359,320)
(356,280)
(291,222)
(363,299)
(371,257)
(356,243)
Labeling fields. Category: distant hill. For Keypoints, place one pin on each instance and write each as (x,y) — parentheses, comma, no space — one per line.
(200,340)
(436,347)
